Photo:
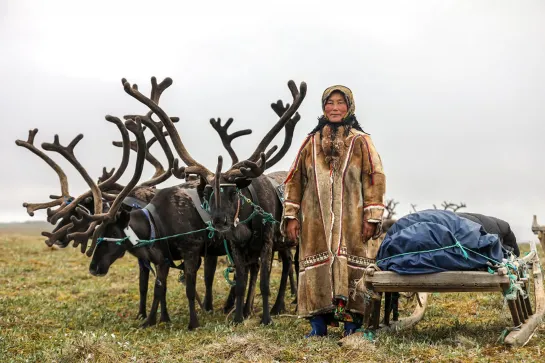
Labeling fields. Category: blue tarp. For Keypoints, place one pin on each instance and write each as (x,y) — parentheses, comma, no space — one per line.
(434,229)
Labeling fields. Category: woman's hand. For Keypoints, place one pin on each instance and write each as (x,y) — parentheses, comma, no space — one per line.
(292,229)
(368,230)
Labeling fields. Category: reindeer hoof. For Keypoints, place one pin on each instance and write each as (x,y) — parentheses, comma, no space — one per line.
(164,319)
(266,321)
(193,326)
(277,310)
(141,316)
(148,323)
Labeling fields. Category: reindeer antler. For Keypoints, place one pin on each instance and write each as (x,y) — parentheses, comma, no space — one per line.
(280,109)
(159,169)
(156,128)
(56,235)
(298,96)
(59,200)
(97,222)
(193,167)
(452,206)
(226,139)
(68,153)
(391,205)
(56,215)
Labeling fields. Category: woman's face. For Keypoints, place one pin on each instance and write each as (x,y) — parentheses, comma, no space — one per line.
(336,107)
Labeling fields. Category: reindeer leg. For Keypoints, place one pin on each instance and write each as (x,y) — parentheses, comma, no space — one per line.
(164,318)
(266,252)
(293,281)
(191,264)
(296,263)
(230,302)
(279,305)
(210,264)
(159,292)
(240,287)
(254,269)
(143,279)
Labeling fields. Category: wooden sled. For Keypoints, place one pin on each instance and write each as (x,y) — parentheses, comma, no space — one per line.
(525,318)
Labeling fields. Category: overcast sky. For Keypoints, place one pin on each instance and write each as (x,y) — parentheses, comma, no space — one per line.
(452,92)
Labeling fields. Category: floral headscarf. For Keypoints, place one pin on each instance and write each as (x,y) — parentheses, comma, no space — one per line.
(348,96)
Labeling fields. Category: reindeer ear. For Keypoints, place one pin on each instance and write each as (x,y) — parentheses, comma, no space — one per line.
(200,187)
(243,182)
(123,217)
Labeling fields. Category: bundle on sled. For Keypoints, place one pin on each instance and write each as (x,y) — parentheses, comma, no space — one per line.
(442,251)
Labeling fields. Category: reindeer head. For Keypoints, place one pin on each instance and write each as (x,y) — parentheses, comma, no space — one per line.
(112,247)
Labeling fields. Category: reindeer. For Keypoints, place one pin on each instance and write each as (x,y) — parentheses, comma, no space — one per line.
(243,181)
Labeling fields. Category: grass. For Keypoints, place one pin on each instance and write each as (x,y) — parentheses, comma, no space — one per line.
(52,309)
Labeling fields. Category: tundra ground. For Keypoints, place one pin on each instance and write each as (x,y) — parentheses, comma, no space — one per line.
(52,309)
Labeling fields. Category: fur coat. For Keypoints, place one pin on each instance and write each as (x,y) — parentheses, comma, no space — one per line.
(335,184)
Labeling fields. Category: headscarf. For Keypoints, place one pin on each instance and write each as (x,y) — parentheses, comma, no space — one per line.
(349,121)
(348,97)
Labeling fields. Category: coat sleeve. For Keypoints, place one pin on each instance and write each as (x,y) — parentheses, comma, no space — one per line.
(374,182)
(294,187)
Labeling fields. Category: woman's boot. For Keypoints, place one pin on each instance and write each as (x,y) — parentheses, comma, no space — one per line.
(318,325)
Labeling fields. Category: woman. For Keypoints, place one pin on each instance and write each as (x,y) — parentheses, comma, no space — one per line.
(334,201)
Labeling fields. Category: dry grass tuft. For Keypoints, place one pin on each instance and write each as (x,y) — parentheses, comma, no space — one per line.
(86,348)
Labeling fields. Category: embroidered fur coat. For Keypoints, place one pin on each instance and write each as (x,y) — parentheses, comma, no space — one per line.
(331,199)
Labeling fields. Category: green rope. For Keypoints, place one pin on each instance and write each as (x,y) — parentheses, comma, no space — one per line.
(502,336)
(230,268)
(229,257)
(367,334)
(457,244)
(118,241)
(143,242)
(226,273)
(267,217)
(506,332)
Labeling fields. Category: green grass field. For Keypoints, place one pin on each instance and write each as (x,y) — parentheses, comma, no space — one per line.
(52,309)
